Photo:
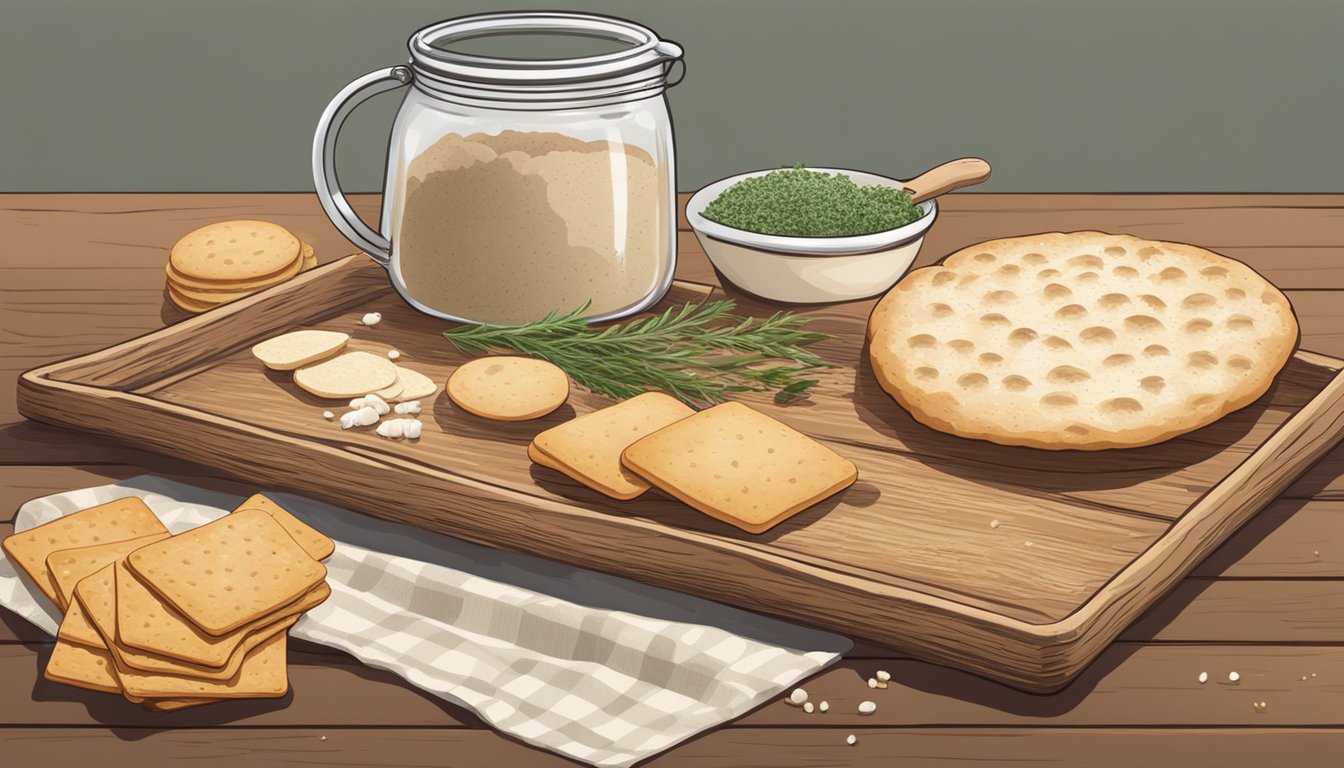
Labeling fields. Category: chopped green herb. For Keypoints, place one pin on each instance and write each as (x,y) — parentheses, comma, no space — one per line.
(697,353)
(803,203)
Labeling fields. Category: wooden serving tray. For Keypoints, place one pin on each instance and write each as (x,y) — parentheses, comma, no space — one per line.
(909,556)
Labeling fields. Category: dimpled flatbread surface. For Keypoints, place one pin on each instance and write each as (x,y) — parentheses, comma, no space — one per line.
(116,520)
(1081,340)
(228,572)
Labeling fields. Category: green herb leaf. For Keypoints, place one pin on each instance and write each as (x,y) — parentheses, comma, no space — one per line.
(803,203)
(697,353)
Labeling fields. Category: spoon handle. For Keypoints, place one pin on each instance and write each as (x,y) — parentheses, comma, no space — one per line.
(951,175)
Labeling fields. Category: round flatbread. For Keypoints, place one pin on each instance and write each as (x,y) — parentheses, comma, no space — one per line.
(299,348)
(236,251)
(187,304)
(350,374)
(1079,340)
(508,388)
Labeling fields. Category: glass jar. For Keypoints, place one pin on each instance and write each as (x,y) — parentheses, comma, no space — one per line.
(517,187)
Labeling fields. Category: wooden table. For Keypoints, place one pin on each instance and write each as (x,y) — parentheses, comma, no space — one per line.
(81,271)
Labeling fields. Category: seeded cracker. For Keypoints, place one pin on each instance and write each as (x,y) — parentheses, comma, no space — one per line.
(229,572)
(740,466)
(118,520)
(589,447)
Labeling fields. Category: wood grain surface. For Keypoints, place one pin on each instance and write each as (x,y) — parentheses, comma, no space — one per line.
(85,271)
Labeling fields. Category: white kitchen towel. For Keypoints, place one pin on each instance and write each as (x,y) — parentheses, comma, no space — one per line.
(601,669)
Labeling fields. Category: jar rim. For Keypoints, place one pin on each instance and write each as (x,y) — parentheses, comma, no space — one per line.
(645,49)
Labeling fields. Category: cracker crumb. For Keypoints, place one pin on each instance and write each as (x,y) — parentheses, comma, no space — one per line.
(867,707)
(1260,707)
(371,318)
(872,682)
(393,354)
(1304,677)
(851,739)
(824,706)
(883,676)
(322,737)
(1233,677)
(1313,674)
(328,415)
(798,697)
(807,707)
(1029,544)
(1203,677)
(993,523)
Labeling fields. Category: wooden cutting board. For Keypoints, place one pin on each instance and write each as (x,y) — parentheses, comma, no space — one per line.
(1017,564)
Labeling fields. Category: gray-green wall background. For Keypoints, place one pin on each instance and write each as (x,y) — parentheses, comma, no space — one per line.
(1060,95)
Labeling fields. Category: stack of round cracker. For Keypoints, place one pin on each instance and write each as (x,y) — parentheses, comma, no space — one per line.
(222,262)
(1079,340)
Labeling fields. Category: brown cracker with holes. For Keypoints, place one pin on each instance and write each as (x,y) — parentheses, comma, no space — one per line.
(262,675)
(82,667)
(318,545)
(117,520)
(740,466)
(68,566)
(1080,340)
(97,595)
(588,448)
(146,623)
(229,572)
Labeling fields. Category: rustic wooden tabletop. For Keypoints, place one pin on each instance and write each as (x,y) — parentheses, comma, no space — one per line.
(82,271)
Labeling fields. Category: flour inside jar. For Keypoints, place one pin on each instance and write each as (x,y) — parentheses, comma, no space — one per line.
(506,228)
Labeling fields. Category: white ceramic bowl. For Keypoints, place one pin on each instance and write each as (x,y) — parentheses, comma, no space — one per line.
(809,270)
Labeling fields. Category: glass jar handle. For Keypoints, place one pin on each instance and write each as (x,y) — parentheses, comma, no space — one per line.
(324,159)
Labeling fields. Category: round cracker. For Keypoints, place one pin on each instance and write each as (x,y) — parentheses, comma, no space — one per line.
(235,250)
(414,385)
(1080,340)
(233,286)
(347,375)
(188,305)
(299,348)
(508,388)
(308,255)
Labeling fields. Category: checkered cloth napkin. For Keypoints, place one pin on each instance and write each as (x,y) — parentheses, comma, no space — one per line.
(603,670)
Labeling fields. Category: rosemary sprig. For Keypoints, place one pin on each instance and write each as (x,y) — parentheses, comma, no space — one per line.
(697,353)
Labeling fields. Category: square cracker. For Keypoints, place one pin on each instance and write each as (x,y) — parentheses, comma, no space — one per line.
(147,624)
(229,572)
(82,667)
(263,675)
(740,466)
(76,628)
(98,597)
(126,518)
(314,542)
(68,566)
(589,447)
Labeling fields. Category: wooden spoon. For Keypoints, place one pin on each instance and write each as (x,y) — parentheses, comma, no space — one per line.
(951,175)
